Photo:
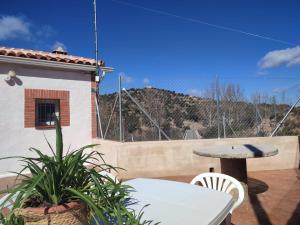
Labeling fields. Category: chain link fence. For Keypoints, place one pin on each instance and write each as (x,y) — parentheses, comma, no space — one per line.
(221,111)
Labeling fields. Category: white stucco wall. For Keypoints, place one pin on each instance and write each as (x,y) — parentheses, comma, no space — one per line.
(14,138)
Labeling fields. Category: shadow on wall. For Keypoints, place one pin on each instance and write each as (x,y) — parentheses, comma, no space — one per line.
(14,81)
(56,74)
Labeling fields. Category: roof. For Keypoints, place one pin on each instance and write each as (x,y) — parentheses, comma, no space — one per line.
(47,56)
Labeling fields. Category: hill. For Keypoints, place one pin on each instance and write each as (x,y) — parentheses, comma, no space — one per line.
(176,112)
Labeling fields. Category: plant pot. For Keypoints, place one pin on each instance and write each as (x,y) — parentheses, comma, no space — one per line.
(73,213)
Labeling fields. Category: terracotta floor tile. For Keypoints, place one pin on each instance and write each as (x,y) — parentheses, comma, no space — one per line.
(274,198)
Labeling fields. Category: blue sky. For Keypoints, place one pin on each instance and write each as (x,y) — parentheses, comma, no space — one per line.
(164,43)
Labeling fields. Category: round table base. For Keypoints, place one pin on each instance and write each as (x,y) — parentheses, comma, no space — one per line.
(236,168)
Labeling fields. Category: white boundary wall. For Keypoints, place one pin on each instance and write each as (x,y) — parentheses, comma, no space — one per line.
(175,158)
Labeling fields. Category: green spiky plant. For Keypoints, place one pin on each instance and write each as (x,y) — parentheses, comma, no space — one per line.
(59,179)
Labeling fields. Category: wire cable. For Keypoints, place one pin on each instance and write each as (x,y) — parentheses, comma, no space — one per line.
(205,23)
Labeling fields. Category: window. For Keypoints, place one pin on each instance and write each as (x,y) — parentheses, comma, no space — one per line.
(45,110)
(40,104)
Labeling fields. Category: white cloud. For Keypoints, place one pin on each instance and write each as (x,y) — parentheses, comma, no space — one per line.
(262,73)
(288,57)
(125,78)
(195,92)
(58,44)
(45,31)
(295,62)
(14,27)
(279,90)
(146,81)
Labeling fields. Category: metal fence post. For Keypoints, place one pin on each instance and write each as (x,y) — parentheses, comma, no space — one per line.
(146,114)
(218,107)
(224,125)
(120,108)
(286,115)
(256,119)
(274,108)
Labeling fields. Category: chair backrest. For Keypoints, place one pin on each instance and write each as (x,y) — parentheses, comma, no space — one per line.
(8,204)
(109,175)
(223,183)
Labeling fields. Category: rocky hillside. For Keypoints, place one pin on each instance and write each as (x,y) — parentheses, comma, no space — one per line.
(175,113)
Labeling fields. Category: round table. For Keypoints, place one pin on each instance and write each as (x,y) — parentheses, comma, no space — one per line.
(233,157)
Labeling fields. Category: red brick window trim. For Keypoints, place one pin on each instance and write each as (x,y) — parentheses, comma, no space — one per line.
(93,113)
(30,108)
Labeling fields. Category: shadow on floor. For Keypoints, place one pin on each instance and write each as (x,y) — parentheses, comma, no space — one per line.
(260,212)
(256,186)
(295,218)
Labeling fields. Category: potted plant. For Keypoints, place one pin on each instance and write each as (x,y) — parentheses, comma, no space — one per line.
(68,189)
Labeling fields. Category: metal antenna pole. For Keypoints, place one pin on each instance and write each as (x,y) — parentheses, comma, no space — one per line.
(97,68)
(96,37)
(146,114)
(120,108)
(284,118)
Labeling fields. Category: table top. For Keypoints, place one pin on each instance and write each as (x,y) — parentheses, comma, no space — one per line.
(237,151)
(176,203)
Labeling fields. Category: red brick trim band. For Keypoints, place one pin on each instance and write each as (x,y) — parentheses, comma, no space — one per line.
(29,108)
(93,107)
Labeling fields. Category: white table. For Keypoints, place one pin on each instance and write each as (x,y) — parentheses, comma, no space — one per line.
(176,203)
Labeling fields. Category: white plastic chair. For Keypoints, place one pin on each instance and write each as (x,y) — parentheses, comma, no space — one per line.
(9,204)
(223,183)
(109,175)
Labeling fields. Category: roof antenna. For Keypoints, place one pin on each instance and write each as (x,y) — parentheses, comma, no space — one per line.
(96,38)
(97,77)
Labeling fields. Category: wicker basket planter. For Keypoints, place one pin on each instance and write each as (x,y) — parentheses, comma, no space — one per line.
(72,213)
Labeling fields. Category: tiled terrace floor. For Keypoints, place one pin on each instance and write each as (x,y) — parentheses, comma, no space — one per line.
(274,198)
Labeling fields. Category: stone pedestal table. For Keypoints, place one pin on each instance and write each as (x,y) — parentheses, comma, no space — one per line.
(233,157)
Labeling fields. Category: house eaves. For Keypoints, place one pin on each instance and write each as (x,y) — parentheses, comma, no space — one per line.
(51,64)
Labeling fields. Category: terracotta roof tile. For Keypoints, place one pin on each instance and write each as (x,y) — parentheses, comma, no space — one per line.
(33,54)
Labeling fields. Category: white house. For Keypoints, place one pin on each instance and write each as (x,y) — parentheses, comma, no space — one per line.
(33,86)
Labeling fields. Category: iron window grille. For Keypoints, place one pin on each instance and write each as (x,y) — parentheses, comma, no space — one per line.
(46,109)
